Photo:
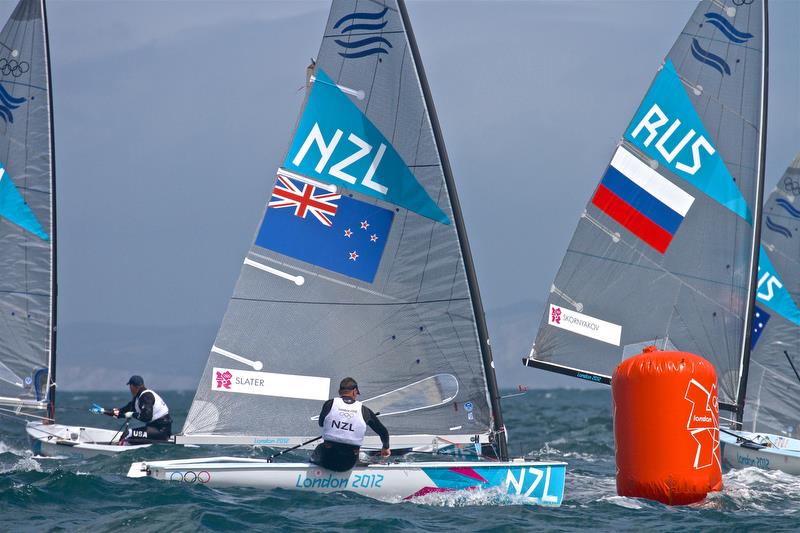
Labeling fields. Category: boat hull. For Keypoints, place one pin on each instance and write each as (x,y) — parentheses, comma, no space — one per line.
(516,481)
(782,453)
(53,440)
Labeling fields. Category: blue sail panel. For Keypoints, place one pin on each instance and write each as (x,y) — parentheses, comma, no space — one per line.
(336,143)
(14,208)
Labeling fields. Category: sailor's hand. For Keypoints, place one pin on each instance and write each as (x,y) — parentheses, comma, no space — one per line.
(115,412)
(129,415)
(386,452)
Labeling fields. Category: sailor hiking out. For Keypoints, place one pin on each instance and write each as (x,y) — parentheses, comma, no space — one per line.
(148,407)
(344,421)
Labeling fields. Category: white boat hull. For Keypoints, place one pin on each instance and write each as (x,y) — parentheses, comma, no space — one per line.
(523,481)
(53,440)
(780,453)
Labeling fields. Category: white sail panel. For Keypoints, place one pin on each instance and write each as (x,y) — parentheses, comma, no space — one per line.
(665,247)
(27,210)
(360,265)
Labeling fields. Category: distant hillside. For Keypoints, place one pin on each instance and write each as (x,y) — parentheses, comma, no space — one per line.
(96,356)
(512,330)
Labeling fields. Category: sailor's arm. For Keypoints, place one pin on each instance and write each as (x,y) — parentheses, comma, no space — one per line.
(122,410)
(146,403)
(326,408)
(372,421)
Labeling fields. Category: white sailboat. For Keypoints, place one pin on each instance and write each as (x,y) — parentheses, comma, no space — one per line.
(28,287)
(770,434)
(666,252)
(360,267)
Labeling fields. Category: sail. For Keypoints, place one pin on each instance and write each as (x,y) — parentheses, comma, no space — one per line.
(773,388)
(359,266)
(663,253)
(27,210)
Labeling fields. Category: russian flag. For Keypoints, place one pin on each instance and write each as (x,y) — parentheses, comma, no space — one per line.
(646,203)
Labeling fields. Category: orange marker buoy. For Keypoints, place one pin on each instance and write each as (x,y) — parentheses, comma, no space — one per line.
(666,427)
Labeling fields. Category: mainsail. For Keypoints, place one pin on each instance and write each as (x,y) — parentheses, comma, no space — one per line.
(773,389)
(665,251)
(360,265)
(27,212)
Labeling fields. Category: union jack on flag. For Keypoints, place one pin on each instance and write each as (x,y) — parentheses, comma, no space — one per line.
(305,200)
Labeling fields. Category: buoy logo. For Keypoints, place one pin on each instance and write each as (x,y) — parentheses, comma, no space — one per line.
(703,423)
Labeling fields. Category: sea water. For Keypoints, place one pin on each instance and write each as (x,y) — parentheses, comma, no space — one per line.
(43,494)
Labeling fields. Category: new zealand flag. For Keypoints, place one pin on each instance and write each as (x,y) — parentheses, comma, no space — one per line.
(329,230)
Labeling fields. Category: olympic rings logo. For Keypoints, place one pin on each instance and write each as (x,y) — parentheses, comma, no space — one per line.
(791,186)
(191,477)
(14,67)
(742,2)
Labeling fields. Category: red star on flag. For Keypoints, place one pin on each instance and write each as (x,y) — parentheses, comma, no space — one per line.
(353,256)
(348,232)
(373,238)
(364,224)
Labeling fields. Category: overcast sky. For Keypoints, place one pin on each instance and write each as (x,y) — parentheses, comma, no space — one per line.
(171,117)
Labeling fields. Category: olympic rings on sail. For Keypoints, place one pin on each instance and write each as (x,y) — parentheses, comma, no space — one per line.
(791,185)
(742,2)
(14,67)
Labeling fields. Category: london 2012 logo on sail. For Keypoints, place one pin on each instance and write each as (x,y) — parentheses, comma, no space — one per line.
(224,379)
(360,34)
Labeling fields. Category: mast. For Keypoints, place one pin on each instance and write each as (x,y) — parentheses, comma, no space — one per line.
(51,386)
(744,369)
(472,280)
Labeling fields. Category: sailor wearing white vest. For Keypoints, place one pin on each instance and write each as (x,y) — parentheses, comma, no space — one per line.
(148,407)
(344,421)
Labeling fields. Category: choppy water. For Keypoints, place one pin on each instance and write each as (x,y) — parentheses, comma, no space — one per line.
(39,494)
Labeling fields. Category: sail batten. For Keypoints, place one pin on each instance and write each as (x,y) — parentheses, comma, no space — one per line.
(359,266)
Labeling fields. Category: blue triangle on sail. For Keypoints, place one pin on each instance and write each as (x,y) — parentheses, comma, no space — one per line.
(336,143)
(772,292)
(667,128)
(14,208)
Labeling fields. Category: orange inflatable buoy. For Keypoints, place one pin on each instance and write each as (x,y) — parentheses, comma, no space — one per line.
(666,427)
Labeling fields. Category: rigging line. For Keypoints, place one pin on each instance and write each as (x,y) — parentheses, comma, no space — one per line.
(746,439)
(792,364)
(399,92)
(720,41)
(717,101)
(772,373)
(423,302)
(675,275)
(20,414)
(337,35)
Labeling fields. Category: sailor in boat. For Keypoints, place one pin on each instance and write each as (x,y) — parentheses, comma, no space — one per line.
(148,407)
(344,421)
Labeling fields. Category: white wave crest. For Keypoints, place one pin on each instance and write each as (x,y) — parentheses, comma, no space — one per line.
(5,448)
(467,498)
(26,464)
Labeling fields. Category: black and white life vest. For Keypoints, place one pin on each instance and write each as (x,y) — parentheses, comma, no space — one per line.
(345,423)
(160,408)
